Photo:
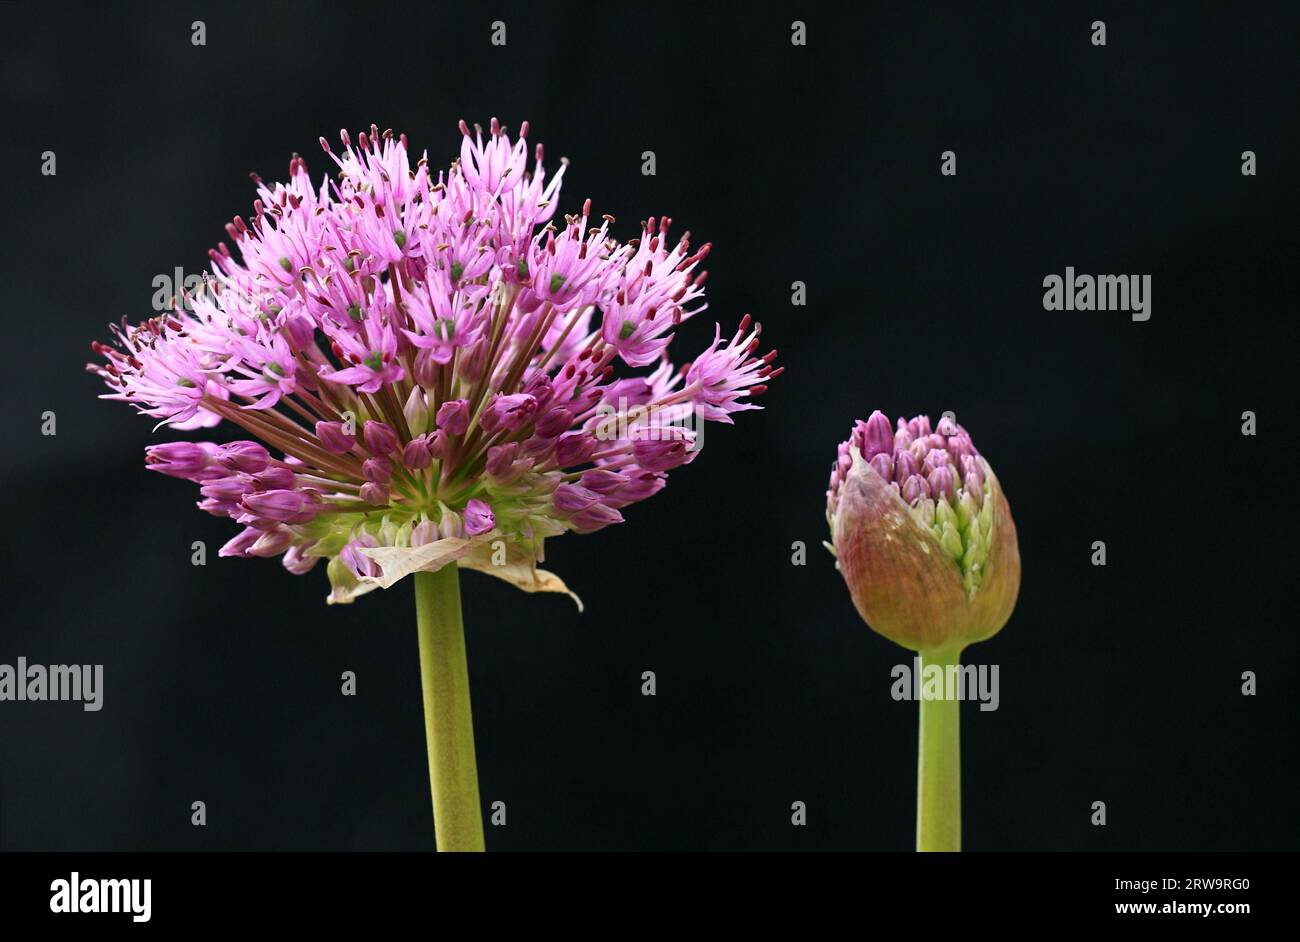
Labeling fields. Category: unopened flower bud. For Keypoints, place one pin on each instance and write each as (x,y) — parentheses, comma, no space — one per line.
(575,448)
(425,371)
(669,449)
(877,436)
(500,459)
(380,438)
(272,543)
(931,562)
(282,505)
(192,461)
(941,483)
(640,486)
(378,470)
(603,481)
(333,439)
(596,517)
(416,410)
(572,499)
(554,422)
(416,453)
(425,532)
(297,561)
(510,412)
(238,545)
(437,444)
(453,416)
(478,518)
(249,457)
(300,332)
(274,478)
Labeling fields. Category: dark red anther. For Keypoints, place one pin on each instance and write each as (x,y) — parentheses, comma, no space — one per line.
(757,390)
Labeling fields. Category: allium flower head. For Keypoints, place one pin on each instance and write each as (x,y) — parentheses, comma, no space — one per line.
(426,363)
(923,534)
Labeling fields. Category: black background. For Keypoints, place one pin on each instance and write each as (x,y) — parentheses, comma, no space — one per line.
(818,164)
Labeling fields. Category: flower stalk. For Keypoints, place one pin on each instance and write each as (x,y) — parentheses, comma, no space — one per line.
(448,722)
(938,765)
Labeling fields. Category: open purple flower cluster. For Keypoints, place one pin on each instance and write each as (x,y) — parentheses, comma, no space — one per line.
(432,357)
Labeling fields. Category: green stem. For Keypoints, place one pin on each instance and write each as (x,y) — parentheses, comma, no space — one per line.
(938,773)
(448,725)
